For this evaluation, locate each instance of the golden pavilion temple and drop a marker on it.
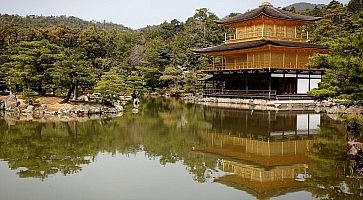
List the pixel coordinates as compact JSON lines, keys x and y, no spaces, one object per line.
{"x":265,"y":57}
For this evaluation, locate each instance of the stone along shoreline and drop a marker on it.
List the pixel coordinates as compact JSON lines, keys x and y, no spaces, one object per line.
{"x":326,"y":106}
{"x":53,"y":109}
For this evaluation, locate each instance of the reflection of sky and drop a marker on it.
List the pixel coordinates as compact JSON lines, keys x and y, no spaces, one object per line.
{"x":308,"y":122}
{"x":130,"y":177}
{"x":116,"y":177}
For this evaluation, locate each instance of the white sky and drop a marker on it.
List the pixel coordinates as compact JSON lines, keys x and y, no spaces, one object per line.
{"x":134,"y":13}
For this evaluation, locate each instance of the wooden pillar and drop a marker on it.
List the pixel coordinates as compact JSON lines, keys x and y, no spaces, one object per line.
{"x":297,"y":82}
{"x":246,"y":36}
{"x":285,"y":31}
{"x":284,"y":92}
{"x":269,"y":85}
{"x":308,"y":124}
{"x":295,"y":32}
{"x":309,"y":81}
{"x":246,"y":79}
{"x":275,"y":34}
{"x":222,"y":62}
{"x":283,"y":60}
{"x":295,"y":147}
{"x":253,"y":60}
{"x":222,"y":85}
{"x":270,"y":57}
{"x":213,"y":85}
{"x":214,"y":60}
{"x":254,"y":30}
{"x":263,"y":29}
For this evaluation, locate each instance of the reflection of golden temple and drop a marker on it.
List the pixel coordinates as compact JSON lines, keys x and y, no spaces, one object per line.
{"x":253,"y":173}
{"x":263,"y":167}
{"x":265,"y":190}
{"x":267,"y":153}
{"x":263,"y":183}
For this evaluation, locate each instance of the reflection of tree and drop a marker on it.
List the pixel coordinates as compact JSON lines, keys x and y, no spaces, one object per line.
{"x":175,"y":135}
{"x":330,"y":171}
{"x":42,"y":149}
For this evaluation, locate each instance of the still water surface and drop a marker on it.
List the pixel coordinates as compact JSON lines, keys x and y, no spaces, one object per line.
{"x":171,"y":150}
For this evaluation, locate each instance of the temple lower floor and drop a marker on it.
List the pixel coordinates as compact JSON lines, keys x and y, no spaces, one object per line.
{"x":261,"y":84}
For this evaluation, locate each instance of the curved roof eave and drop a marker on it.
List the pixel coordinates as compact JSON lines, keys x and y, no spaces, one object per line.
{"x":257,"y":16}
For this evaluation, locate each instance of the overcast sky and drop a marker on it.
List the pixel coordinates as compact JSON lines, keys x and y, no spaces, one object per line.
{"x":134,"y":13}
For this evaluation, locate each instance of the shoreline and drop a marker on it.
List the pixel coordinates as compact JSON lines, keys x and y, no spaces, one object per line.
{"x":326,"y":106}
{"x":52,"y":109}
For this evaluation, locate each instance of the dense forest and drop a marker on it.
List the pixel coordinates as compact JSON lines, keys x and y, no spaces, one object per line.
{"x":66,"y":56}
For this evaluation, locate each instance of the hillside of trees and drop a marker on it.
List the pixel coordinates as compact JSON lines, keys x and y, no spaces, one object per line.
{"x":302,"y":6}
{"x":66,"y":56}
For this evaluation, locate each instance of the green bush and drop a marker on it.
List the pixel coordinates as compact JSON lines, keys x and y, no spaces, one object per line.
{"x":321,"y":93}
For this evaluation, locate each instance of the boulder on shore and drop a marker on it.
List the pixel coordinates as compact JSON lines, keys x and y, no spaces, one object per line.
{"x":2,"y":105}
{"x":11,"y":102}
{"x":29,"y":109}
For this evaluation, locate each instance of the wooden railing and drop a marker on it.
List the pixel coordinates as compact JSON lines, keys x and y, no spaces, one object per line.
{"x":254,"y":65}
{"x":269,"y":94}
{"x":231,"y":38}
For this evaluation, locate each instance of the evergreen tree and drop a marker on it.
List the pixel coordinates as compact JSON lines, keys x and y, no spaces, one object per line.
{"x":71,"y":74}
{"x":111,"y":85}
{"x":27,"y":65}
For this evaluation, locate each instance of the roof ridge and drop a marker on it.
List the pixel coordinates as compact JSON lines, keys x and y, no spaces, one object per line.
{"x":269,"y":11}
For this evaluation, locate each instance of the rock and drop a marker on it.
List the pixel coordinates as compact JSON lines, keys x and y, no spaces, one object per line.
{"x":44,"y":107}
{"x":119,"y":108}
{"x":83,"y":98}
{"x":356,"y":110}
{"x":116,"y":103}
{"x":29,"y":109}
{"x":82,"y":110}
{"x":116,"y":109}
{"x":319,"y":110}
{"x":2,"y":105}
{"x":11,"y":102}
{"x":95,"y":110}
{"x":64,"y":110}
{"x":50,"y":113}
{"x":336,"y":109}
{"x":136,"y":103}
{"x":354,"y":148}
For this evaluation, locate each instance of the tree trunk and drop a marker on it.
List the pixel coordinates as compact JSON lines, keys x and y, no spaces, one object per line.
{"x":40,"y":89}
{"x":70,"y":91}
{"x":75,"y":91}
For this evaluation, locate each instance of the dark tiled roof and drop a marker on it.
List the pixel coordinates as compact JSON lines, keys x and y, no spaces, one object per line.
{"x":256,"y":43}
{"x":269,"y":11}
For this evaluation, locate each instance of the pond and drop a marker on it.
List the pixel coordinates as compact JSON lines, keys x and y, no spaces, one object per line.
{"x":171,"y":150}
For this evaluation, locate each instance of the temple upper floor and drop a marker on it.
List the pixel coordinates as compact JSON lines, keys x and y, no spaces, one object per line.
{"x":267,"y":22}
{"x":269,"y":30}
